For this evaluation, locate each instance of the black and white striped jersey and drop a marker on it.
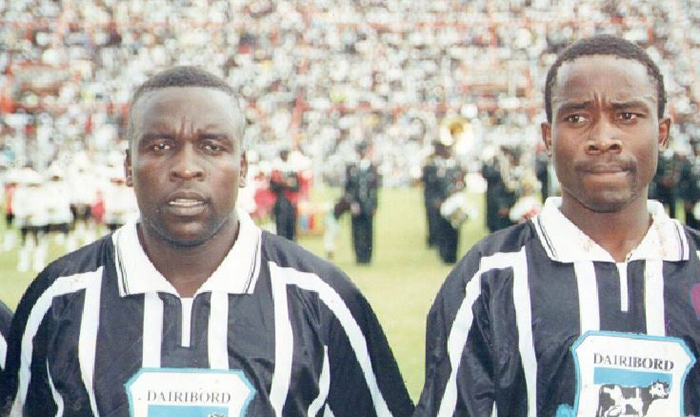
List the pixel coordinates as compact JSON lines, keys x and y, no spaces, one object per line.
{"x":275,"y":331}
{"x":5,"y":318}
{"x":538,"y":320}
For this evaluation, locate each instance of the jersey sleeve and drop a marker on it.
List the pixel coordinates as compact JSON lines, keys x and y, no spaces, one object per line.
{"x":5,"y":318}
{"x":459,"y":378}
{"x":25,"y":388}
{"x":364,"y":376}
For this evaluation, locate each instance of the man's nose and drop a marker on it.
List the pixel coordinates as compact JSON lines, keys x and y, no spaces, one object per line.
{"x":604,"y":137}
{"x":186,"y":164}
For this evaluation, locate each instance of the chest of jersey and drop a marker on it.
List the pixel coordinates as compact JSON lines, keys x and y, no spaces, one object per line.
{"x":215,"y":354}
{"x":597,"y":332}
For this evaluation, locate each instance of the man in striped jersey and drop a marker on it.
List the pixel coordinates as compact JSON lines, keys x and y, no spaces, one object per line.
{"x":193,"y":310}
{"x":591,"y":308}
{"x":5,"y":318}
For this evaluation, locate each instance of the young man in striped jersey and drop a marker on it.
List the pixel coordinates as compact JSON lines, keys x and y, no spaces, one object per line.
{"x":593,"y":307}
{"x":193,"y":310}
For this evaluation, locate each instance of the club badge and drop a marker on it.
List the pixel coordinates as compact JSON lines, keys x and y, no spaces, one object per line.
{"x":628,"y":375}
{"x":174,"y":392}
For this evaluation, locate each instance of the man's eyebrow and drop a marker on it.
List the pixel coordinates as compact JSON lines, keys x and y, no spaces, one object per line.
{"x":215,"y":136}
{"x":575,"y":105}
{"x":622,"y":105}
{"x":156,"y":135}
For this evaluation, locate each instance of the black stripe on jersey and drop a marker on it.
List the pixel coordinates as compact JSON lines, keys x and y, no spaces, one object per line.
{"x":612,"y":317}
{"x":556,"y":322}
{"x":173,"y":353}
{"x":120,"y":339}
{"x":61,"y":362}
{"x":41,"y":403}
{"x":511,"y":398}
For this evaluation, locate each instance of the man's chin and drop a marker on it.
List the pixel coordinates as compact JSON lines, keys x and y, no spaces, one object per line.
{"x":185,"y":241}
{"x":183,"y":237}
{"x":608,"y":203}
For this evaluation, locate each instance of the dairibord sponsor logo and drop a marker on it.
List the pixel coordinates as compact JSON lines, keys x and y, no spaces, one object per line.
{"x":197,"y":397}
{"x":633,"y":362}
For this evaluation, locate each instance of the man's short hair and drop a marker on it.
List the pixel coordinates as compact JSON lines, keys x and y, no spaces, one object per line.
{"x":187,"y":76}
{"x":605,"y":45}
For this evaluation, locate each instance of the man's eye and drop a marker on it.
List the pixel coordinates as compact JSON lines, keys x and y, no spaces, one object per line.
{"x":161,"y":147}
{"x":575,"y":118}
{"x":213,"y":147}
{"x":627,"y":116}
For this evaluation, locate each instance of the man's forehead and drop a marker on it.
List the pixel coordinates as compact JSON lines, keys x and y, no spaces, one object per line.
{"x":619,"y":79}
{"x":201,"y":103}
{"x":181,"y":94}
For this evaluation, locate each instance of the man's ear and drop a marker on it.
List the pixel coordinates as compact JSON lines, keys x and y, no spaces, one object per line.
{"x":128,"y":172}
{"x":243,"y":174}
{"x":547,"y":136}
{"x":664,"y":132}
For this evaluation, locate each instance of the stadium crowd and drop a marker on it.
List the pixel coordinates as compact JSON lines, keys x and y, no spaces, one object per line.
{"x":321,"y":76}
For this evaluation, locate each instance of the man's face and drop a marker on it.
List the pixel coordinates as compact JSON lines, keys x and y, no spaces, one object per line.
{"x":185,"y":164}
{"x":605,"y":132}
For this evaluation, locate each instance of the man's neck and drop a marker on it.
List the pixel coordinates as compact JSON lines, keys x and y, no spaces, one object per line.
{"x":188,"y":268}
{"x":619,"y":233}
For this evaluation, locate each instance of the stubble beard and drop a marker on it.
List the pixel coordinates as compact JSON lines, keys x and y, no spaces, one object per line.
{"x":211,"y":231}
{"x":609,"y":201}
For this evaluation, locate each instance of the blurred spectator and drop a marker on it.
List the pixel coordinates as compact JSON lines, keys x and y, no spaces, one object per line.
{"x":449,"y":199}
{"x":285,"y":184}
{"x":59,"y":215}
{"x":362,"y":183}
{"x":30,"y":208}
{"x":119,"y":201}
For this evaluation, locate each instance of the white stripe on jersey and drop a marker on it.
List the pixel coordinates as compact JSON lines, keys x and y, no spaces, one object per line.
{"x":186,"y":326}
{"x":328,"y":295}
{"x":56,"y":396}
{"x":284,"y":342}
{"x":462,"y":324}
{"x":324,"y":385}
{"x":63,"y":285}
{"x":218,"y":331}
{"x":87,"y":341}
{"x":3,"y":351}
{"x":523,"y":316}
{"x":685,"y":246}
{"x":152,"y":330}
{"x":654,"y":298}
{"x":624,"y":286}
{"x":588,"y":306}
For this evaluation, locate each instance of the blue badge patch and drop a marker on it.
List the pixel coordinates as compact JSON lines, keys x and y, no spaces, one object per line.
{"x":184,"y":392}
{"x":621,"y":374}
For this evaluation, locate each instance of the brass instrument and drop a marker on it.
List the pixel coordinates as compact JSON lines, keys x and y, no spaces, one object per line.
{"x":454,"y":129}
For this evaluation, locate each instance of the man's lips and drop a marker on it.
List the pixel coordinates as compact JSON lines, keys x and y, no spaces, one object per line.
{"x":186,"y":203}
{"x":602,"y":168}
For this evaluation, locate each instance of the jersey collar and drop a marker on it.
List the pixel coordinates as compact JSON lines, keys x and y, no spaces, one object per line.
{"x":565,"y":242}
{"x":237,"y":273}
